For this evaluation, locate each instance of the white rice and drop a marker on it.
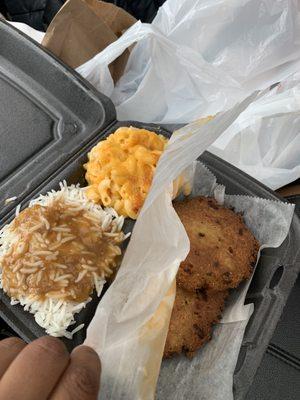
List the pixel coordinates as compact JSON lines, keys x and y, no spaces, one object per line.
{"x":10,"y":199}
{"x":54,"y":314}
{"x":18,"y":209}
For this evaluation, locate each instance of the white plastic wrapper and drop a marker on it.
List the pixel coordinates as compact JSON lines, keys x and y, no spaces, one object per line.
{"x":200,"y":57}
{"x":265,"y":140}
{"x":38,"y":36}
{"x":131,"y":322}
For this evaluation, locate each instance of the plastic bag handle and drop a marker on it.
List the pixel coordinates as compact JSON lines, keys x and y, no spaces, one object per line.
{"x":134,"y":34}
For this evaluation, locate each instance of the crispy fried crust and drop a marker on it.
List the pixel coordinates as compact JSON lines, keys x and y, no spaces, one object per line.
{"x":192,"y":318}
{"x":223,"y":250}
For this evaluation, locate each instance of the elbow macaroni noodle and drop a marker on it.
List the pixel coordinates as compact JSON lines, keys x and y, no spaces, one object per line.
{"x":120,"y":169}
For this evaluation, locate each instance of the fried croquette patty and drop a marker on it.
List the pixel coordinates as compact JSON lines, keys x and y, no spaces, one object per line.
{"x":223,"y":250}
{"x":191,"y":322}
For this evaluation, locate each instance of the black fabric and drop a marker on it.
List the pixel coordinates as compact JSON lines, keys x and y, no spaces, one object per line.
{"x":52,"y":8}
{"x":36,"y":13}
{"x":28,"y":11}
{"x":39,"y":13}
{"x":3,"y":10}
{"x":16,"y":7}
{"x":145,"y":10}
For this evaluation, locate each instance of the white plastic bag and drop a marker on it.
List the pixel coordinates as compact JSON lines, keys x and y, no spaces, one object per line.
{"x":31,"y":32}
{"x":265,"y":140}
{"x":200,"y":57}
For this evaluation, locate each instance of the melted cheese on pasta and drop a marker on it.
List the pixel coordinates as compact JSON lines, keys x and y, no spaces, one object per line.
{"x":120,"y":169}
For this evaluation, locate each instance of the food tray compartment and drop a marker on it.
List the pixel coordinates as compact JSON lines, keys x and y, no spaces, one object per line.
{"x":273,"y":280}
{"x":267,"y":293}
{"x":22,"y":322}
{"x":47,"y":113}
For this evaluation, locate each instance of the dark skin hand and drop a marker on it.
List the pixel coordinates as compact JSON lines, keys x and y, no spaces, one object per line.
{"x":44,"y":370}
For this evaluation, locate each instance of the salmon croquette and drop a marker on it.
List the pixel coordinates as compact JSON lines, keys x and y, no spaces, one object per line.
{"x":192,"y":319}
{"x":222,"y":254}
{"x":223,"y":250}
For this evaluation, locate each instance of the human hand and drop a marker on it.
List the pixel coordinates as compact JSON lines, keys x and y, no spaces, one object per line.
{"x":44,"y":370}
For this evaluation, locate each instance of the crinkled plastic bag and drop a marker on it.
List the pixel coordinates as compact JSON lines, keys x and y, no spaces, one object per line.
{"x":131,"y":321}
{"x":200,"y":57}
{"x":265,"y":140}
{"x":38,"y":36}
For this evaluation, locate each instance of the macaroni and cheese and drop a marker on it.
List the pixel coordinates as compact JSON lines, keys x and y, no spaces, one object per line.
{"x":120,"y":169}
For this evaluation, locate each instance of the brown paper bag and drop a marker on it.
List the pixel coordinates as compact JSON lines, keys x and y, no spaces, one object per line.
{"x":289,"y":190}
{"x":83,"y":28}
{"x":116,"y":18}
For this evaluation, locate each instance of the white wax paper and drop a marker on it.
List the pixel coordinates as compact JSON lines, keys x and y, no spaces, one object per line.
{"x":131,"y":322}
{"x":209,"y":376}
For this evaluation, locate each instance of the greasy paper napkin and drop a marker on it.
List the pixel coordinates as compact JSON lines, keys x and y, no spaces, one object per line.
{"x":131,"y":321}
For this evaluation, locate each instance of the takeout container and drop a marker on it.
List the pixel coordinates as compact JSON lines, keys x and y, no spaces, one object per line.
{"x":70,"y":117}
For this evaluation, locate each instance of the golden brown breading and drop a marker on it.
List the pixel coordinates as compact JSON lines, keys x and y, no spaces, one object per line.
{"x":191,"y":322}
{"x":223,"y":250}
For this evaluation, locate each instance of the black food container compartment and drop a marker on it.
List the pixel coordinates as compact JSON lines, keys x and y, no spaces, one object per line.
{"x":52,"y":118}
{"x":47,"y":113}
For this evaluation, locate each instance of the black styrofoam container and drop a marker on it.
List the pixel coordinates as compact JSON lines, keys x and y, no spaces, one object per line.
{"x":47,"y":112}
{"x":277,"y":268}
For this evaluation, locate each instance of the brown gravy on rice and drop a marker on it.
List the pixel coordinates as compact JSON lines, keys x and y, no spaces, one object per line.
{"x":59,"y":252}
